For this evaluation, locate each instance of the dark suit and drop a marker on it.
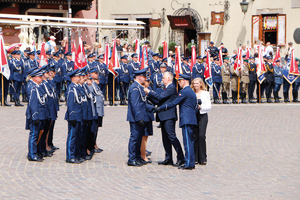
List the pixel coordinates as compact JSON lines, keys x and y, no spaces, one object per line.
{"x":168,"y":119}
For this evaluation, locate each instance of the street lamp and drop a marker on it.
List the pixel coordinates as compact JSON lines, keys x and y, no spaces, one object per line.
{"x":244,"y":6}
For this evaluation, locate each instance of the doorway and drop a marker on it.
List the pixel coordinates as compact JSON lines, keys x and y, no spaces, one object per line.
{"x":189,"y":35}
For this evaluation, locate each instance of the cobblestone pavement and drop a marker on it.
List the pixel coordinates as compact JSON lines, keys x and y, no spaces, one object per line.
{"x":253,"y":153}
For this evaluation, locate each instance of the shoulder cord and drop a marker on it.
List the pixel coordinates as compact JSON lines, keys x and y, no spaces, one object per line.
{"x":199,"y":72}
{"x":89,"y":95}
{"x":47,"y":91}
{"x":217,"y":71}
{"x":76,"y":96}
{"x":134,"y":67}
{"x":123,"y":69}
{"x":143,"y":98}
{"x":41,"y":99}
{"x":96,"y":90}
{"x":279,"y":73}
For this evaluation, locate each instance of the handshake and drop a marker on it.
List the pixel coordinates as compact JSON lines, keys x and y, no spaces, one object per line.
{"x":156,"y":110}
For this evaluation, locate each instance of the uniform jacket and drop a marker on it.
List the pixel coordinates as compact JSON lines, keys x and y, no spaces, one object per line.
{"x":270,"y":71}
{"x":134,"y":67}
{"x":124,"y":73}
{"x":186,"y":69}
{"x":17,"y":69}
{"x":99,"y":98}
{"x":252,"y":72}
{"x":74,"y":104}
{"x":245,"y":73}
{"x":68,"y":66}
{"x":225,"y":73}
{"x":103,"y":73}
{"x":158,"y":85}
{"x":36,"y":104}
{"x":198,"y":71}
{"x":216,"y":73}
{"x":154,"y":68}
{"x":278,"y":73}
{"x":58,"y":71}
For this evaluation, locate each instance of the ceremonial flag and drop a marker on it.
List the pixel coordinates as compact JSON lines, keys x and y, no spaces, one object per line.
{"x":178,"y":69}
{"x":34,"y":49}
{"x":144,"y":63}
{"x":77,"y":63}
{"x":138,"y":49}
{"x":277,"y":56}
{"x":260,"y":68}
{"x":106,"y":54}
{"x":248,"y":52}
{"x":193,"y":57}
{"x":239,"y":61}
{"x":220,"y":55}
{"x":4,"y":68}
{"x":73,"y":50}
{"x":207,"y":71}
{"x":114,"y":61}
{"x":82,"y":57}
{"x":290,"y":70}
{"x":165,"y":49}
{"x":293,"y":67}
{"x":43,"y":60}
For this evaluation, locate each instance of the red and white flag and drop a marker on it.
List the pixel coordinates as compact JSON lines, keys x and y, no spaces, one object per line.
{"x":277,"y":56}
{"x":220,"y":55}
{"x":82,"y":54}
{"x":138,"y":49}
{"x":293,"y":67}
{"x":239,"y":61}
{"x":43,"y":60}
{"x":114,"y":61}
{"x":144,"y":57}
{"x":178,"y":69}
{"x":207,"y":71}
{"x":4,"y":68}
{"x":73,"y":50}
{"x":165,"y":49}
{"x":193,"y":57}
{"x":260,"y":67}
{"x":248,"y":52}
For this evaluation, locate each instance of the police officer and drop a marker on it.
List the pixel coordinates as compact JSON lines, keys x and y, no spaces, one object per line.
{"x":158,"y":85}
{"x":35,"y":115}
{"x":244,"y":80}
{"x":125,"y":71}
{"x":234,"y":82}
{"x":103,"y":73}
{"x":269,"y":79}
{"x":225,"y":80}
{"x":73,"y":116}
{"x":213,"y":51}
{"x":187,"y":101}
{"x":137,"y":117}
{"x":25,"y":59}
{"x":186,"y":67}
{"x":135,"y":66}
{"x":68,"y":67}
{"x":17,"y":67}
{"x":278,"y":73}
{"x":252,"y":78}
{"x":217,"y":79}
{"x":198,"y":69}
{"x":91,"y":63}
{"x":58,"y":78}
{"x":154,"y":65}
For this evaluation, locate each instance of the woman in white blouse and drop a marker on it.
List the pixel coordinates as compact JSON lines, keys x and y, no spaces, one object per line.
{"x":204,"y":104}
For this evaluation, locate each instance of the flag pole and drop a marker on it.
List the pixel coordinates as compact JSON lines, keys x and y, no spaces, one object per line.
{"x":113,"y":90}
{"x":238,"y":92}
{"x":106,"y":91}
{"x":259,"y":93}
{"x":2,"y":91}
{"x":290,"y":93}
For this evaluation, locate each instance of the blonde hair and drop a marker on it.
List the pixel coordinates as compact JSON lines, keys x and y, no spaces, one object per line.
{"x":202,"y":85}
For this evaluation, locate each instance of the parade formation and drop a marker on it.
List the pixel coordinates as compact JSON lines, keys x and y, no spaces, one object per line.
{"x":148,"y":83}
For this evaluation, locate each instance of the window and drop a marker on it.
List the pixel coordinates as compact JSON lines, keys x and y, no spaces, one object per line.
{"x":121,"y":33}
{"x":145,"y":33}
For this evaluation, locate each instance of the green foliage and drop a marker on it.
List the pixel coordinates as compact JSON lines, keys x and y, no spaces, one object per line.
{"x":189,"y":47}
{"x":172,"y":46}
{"x":160,"y":49}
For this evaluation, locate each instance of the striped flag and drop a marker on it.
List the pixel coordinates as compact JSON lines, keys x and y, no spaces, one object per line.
{"x":107,"y":54}
{"x":114,"y":61}
{"x":178,"y":69}
{"x":193,"y":57}
{"x":144,"y":63}
{"x":220,"y":55}
{"x":3,"y":60}
{"x":239,"y":61}
{"x":207,"y":71}
{"x":73,"y":50}
{"x":248,"y":52}
{"x":293,"y":67}
{"x":43,"y":60}
{"x":138,"y":49}
{"x":260,"y":68}
{"x":165,"y":49}
{"x":277,"y":56}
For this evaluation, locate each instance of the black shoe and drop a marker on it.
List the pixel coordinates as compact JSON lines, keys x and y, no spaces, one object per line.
{"x":89,"y":157}
{"x":148,"y":153}
{"x":186,"y":167}
{"x":143,"y":162}
{"x":98,"y":150}
{"x":166,"y":162}
{"x":36,"y":159}
{"x":202,"y":163}
{"x":6,"y":104}
{"x":74,"y":161}
{"x":178,"y":163}
{"x":149,"y":161}
{"x":54,"y":148}
{"x":159,"y":126}
{"x":134,"y":163}
{"x":19,"y":103}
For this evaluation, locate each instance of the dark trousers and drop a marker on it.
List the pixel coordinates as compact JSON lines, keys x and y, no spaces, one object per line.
{"x":90,"y":137}
{"x":251,"y":89}
{"x":169,"y":138}
{"x":17,"y":89}
{"x":286,"y":86}
{"x":110,"y":85}
{"x":123,"y":90}
{"x":24,"y":86}
{"x":262,"y":88}
{"x":58,"y":89}
{"x":295,"y":86}
{"x":5,"y":85}
{"x":81,"y":140}
{"x":200,"y":138}
{"x":216,"y":89}
{"x":73,"y":132}
{"x":269,"y":88}
{"x":188,"y":142}
{"x":33,"y":138}
{"x":277,"y":87}
{"x":42,"y":142}
{"x":50,"y":136}
{"x":135,"y":140}
{"x":103,"y":89}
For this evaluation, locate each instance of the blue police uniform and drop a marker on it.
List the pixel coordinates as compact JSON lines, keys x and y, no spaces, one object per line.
{"x":137,"y":117}
{"x":135,"y":66}
{"x":186,"y":69}
{"x":154,"y":68}
{"x":158,"y":85}
{"x":187,"y":101}
{"x":58,"y":78}
{"x":17,"y":67}
{"x":198,"y":71}
{"x":295,"y":89}
{"x":269,"y":81}
{"x":124,"y":74}
{"x":278,"y":73}
{"x":103,"y":76}
{"x":67,"y":67}
{"x":217,"y":79}
{"x":74,"y":118}
{"x":168,"y":119}
{"x":253,"y":81}
{"x":24,"y":84}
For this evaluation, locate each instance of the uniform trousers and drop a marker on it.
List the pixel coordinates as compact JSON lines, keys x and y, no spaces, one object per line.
{"x":58,"y":89}
{"x":134,"y":146}
{"x":90,"y":137}
{"x":42,"y":143}
{"x":103,"y":89}
{"x":295,"y":86}
{"x":200,"y":138}
{"x":169,"y":139}
{"x":244,"y":88}
{"x":110,"y":86}
{"x":269,"y":88}
{"x":188,"y":142}
{"x":80,"y":151}
{"x":50,"y":136}
{"x":33,"y":138}
{"x":277,"y":87}
{"x":216,"y":89}
{"x":226,"y":87}
{"x":24,"y":86}
{"x":123,"y":90}
{"x":73,"y":132}
{"x":17,"y":89}
{"x":251,"y":89}
{"x":286,"y":86}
